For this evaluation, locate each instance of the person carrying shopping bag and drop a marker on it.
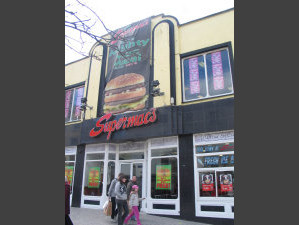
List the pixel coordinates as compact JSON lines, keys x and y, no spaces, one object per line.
{"x":112,"y":195}
{"x":134,"y":203}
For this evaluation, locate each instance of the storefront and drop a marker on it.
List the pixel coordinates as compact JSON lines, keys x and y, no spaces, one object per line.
{"x":164,"y":114}
{"x":214,"y":174}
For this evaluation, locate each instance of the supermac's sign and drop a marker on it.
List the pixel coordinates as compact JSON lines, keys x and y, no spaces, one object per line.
{"x":106,"y":126}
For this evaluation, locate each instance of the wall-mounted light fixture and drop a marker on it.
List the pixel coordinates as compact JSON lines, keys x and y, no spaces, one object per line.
{"x":84,"y":105}
{"x":156,"y":91}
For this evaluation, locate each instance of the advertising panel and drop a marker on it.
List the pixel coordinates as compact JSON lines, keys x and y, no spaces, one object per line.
{"x":128,"y":69}
{"x":94,"y":177}
{"x":226,"y":183}
{"x":163,"y":177}
{"x":69,"y":170}
{"x":207,"y":182}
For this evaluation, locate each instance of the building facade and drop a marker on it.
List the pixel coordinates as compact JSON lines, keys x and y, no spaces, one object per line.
{"x":176,"y":133}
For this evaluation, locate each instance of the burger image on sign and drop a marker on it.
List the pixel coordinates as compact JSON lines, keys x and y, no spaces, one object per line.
{"x":125,"y":93}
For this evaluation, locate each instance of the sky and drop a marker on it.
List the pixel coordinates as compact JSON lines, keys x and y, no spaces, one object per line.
{"x":119,"y":13}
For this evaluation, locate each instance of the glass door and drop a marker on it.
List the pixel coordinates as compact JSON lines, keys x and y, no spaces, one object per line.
{"x":131,"y":169}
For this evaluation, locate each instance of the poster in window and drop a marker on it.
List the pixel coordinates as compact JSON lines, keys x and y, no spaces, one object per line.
{"x":128,"y":69}
{"x":218,"y":78}
{"x":69,"y":170}
{"x":94,"y":177}
{"x":67,"y":103}
{"x":226,"y":183}
{"x":163,"y":177}
{"x":79,"y":95}
{"x":194,"y":76}
{"x":207,"y":182}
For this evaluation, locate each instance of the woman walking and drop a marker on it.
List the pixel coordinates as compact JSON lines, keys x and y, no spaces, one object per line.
{"x":121,"y":199}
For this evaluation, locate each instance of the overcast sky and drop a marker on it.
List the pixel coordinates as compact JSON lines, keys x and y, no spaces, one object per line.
{"x":118,"y":13}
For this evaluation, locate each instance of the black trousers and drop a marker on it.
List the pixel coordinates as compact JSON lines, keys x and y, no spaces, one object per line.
{"x":114,"y":211}
{"x":68,"y":220}
{"x":123,"y":210}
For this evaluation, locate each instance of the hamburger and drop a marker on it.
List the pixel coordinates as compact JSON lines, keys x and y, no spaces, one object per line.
{"x":125,"y":93}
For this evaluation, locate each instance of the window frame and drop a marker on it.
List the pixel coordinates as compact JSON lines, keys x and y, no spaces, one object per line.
{"x":204,"y":52}
{"x":213,"y":169}
{"x":73,"y":88}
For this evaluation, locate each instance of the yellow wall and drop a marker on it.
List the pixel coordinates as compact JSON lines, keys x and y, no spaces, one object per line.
{"x":76,"y":72}
{"x":204,"y":33}
{"x":94,"y":84}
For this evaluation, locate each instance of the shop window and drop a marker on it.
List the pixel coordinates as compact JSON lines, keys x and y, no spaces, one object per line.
{"x":215,"y":168}
{"x":134,"y":155}
{"x":93,"y":179}
{"x":164,"y":178}
{"x":95,"y":156}
{"x":69,"y":168}
{"x":111,"y":156}
{"x":207,"y":75}
{"x":164,"y":152}
{"x":73,"y":103}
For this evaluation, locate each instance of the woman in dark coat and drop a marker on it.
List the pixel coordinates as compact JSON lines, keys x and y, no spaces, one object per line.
{"x":68,"y":220}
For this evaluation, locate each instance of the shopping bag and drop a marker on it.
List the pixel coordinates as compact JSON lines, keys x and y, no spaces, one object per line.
{"x":108,"y":208}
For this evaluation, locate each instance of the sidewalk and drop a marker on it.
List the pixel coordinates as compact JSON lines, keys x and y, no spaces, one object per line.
{"x":82,"y":216}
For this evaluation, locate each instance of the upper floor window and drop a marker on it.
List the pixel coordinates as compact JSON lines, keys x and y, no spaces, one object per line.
{"x":207,"y":75}
{"x":72,"y":103}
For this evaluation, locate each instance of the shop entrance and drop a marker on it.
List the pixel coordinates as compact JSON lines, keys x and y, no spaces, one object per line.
{"x":130,"y":169}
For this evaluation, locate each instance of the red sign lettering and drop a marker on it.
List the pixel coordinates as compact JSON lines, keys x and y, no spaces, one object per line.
{"x":122,"y":123}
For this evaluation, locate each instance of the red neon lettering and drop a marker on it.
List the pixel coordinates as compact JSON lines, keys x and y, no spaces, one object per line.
{"x":131,"y":121}
{"x":119,"y":123}
{"x":94,"y":133}
{"x":140,"y":120}
{"x":111,"y":128}
{"x":145,"y":118}
{"x":154,"y":117}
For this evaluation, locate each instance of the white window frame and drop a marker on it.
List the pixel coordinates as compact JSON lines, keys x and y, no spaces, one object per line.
{"x":226,"y":202}
{"x":72,"y":103}
{"x":94,"y":149}
{"x":144,"y":171}
{"x":206,"y":75}
{"x":71,"y":151}
{"x":150,"y":200}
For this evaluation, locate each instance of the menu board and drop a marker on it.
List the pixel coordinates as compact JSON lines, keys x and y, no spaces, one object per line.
{"x":207,"y":182}
{"x":163,"y":177}
{"x":94,"y":177}
{"x":69,"y":170}
{"x":226,"y":183}
{"x":218,"y":78}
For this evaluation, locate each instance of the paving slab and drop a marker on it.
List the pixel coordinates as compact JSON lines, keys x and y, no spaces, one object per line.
{"x":83,"y":216}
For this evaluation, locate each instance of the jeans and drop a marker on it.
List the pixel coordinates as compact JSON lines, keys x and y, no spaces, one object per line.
{"x":122,"y":206}
{"x":114,"y":211}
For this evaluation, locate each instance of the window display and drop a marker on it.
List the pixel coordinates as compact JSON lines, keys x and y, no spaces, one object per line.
{"x":207,"y":75}
{"x":164,"y":178}
{"x":72,"y":103}
{"x":93,"y":182}
{"x":218,"y":180}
